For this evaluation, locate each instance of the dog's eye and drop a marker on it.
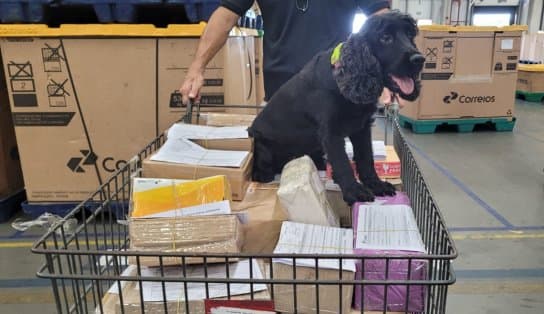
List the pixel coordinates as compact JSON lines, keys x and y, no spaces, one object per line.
{"x":386,"y":39}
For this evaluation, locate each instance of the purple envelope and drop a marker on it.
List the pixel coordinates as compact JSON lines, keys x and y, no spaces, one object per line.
{"x":375,"y":269}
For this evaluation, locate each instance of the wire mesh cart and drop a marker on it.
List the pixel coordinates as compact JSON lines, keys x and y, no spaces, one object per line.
{"x":87,"y":261}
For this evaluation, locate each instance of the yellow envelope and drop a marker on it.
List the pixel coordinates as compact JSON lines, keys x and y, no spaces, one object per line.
{"x":152,"y":196}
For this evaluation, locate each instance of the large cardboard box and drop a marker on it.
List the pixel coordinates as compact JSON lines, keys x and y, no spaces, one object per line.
{"x":86,"y":99}
{"x":531,"y":78}
{"x":11,"y":178}
{"x":468,"y":72}
{"x":238,"y":177}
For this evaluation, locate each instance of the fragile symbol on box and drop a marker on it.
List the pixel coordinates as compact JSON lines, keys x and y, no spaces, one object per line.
{"x":447,"y":63}
{"x":51,"y":59}
{"x":57,"y":94}
{"x":448,"y":46}
{"x":431,"y":54}
{"x":22,"y":84}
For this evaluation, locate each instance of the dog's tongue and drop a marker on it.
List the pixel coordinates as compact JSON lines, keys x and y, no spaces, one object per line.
{"x":405,"y":84}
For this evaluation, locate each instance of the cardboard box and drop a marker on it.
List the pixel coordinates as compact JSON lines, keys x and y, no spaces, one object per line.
{"x":389,"y":168}
{"x":237,"y":144}
{"x":132,"y":303}
{"x":531,"y":78}
{"x":297,"y":238}
{"x":190,"y":234}
{"x":329,"y":300}
{"x":11,"y":178}
{"x":238,"y":177}
{"x":468,"y":72}
{"x":86,"y":104}
{"x":264,"y":218}
{"x":228,"y":119}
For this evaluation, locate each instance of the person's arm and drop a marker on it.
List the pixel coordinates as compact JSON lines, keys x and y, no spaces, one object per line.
{"x":213,"y":38}
{"x":370,"y":7}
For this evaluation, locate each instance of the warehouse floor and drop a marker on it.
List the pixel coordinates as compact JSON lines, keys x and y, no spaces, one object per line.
{"x":489,"y":186}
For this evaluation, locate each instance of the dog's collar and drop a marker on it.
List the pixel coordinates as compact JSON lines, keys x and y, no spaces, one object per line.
{"x":335,"y":56}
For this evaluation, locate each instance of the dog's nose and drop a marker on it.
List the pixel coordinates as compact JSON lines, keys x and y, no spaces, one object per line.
{"x":417,"y":59}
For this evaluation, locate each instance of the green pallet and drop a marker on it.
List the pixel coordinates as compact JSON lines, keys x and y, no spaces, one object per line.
{"x":532,"y":97}
{"x":463,"y":125}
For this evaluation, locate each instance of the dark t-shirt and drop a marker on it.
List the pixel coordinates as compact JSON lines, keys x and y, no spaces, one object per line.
{"x":292,"y":37}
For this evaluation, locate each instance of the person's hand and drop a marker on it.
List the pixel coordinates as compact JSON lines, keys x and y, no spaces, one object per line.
{"x":190,"y":89}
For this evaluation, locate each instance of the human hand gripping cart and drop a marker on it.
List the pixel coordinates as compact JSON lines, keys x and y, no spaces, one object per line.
{"x":88,"y":263}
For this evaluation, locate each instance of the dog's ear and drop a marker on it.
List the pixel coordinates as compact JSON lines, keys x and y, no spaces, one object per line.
{"x":359,"y":74}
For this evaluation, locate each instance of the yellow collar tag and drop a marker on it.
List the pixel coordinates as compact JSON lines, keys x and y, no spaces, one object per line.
{"x":335,"y":56}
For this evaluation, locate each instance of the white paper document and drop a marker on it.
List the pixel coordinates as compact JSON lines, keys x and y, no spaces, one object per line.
{"x":129,"y":271}
{"x":387,"y":227}
{"x":215,"y":208}
{"x":232,"y":310}
{"x":152,"y":291}
{"x":298,"y":238}
{"x":183,"y":151}
{"x":378,"y":149}
{"x":204,"y":132}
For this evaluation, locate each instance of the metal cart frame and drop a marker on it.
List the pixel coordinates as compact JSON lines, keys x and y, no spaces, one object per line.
{"x":84,"y":262}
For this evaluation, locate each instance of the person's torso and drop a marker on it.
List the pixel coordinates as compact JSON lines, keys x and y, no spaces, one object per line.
{"x":296,"y":30}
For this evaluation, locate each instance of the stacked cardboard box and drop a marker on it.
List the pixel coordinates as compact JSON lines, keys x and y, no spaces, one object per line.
{"x":531,"y":78}
{"x":469,"y":71}
{"x":86,"y":99}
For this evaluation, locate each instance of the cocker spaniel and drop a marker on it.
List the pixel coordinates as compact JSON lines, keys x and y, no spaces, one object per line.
{"x":333,"y":97}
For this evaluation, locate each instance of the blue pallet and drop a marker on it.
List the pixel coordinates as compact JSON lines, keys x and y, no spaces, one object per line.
{"x":197,"y":10}
{"x":62,"y":209}
{"x":108,"y":11}
{"x":23,"y":11}
{"x":11,"y":204}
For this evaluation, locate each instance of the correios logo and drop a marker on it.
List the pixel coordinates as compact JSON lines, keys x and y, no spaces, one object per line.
{"x":453,"y":96}
{"x":76,"y":163}
{"x":464,"y":99}
{"x":109,"y":164}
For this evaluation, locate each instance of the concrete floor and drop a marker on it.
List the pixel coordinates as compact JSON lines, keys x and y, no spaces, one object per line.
{"x":489,"y":186}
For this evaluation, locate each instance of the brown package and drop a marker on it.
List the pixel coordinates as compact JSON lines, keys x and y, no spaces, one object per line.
{"x":86,"y":102}
{"x":228,"y":119}
{"x":239,"y":144}
{"x":238,"y":177}
{"x":265,"y":216}
{"x":531,"y":81}
{"x":196,"y":234}
{"x":131,"y":302}
{"x":329,"y":295}
{"x":468,"y":72}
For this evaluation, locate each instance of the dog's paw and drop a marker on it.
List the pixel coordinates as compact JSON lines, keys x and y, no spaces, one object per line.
{"x":380,"y":188}
{"x":357,"y":193}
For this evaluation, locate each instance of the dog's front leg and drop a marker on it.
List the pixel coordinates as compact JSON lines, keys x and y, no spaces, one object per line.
{"x":352,"y":191}
{"x":364,"y":160}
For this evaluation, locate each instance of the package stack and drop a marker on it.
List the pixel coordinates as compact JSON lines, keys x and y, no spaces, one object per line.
{"x":294,"y":217}
{"x":198,"y":151}
{"x":388,"y":227}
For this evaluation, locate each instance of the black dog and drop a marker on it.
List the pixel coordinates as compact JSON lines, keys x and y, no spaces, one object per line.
{"x":327,"y":101}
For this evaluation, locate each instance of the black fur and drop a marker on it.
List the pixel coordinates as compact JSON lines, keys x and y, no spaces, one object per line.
{"x":313,"y":112}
